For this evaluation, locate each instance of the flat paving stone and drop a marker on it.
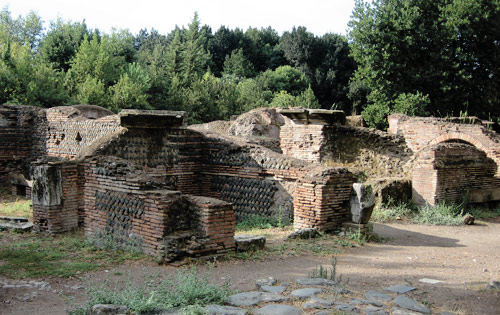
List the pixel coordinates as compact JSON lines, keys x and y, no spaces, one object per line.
{"x":366,"y":302}
{"x":245,"y":299}
{"x":409,"y":304}
{"x":315,"y":281}
{"x":215,"y":309}
{"x":317,"y":303}
{"x":377,"y":296}
{"x":278,"y":309}
{"x":333,"y":285}
{"x":400,"y":289}
{"x":344,"y":307}
{"x":269,"y":281}
{"x":402,"y":311}
{"x":273,"y":297}
{"x":305,"y":293}
{"x":273,"y":288}
{"x":430,"y":281}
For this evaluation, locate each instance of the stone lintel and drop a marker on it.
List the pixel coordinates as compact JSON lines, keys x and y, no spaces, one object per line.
{"x":304,"y":116}
{"x":134,"y":118}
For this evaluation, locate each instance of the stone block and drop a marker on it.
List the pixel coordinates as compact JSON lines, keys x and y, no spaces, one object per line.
{"x":133,"y":118}
{"x":246,"y":243}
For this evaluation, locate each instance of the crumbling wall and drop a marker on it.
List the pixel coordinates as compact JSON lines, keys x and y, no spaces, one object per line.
{"x":22,"y":138}
{"x":422,"y":132}
{"x":255,"y":179}
{"x":121,"y":203}
{"x":375,"y":153}
{"x":453,"y":172}
{"x":69,"y":131}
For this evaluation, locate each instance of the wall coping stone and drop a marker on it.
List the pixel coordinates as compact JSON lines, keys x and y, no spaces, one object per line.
{"x":134,"y":118}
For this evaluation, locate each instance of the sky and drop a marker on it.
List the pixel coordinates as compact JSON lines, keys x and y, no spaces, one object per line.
{"x":318,"y":16}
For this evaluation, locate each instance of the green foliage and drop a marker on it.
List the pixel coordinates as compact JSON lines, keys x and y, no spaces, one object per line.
{"x":92,"y":91}
{"x":392,"y":212}
{"x":307,"y":99}
{"x":238,"y":65}
{"x":61,"y":42}
{"x":375,"y":115}
{"x":194,"y":54}
{"x":188,"y":290}
{"x":411,"y":104}
{"x":25,"y":30}
{"x":283,"y":99}
{"x":130,"y":90}
{"x":440,"y":214}
{"x":34,"y":256}
{"x":284,"y":78}
{"x":259,"y":222}
{"x":442,"y":49}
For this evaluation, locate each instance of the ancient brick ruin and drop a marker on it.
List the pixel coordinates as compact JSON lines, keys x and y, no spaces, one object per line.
{"x":147,"y":180}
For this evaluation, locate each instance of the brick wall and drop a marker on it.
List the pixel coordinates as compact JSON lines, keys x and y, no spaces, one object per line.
{"x":376,"y":153}
{"x":162,"y":223}
{"x":68,"y":132}
{"x":21,"y":131}
{"x":420,"y":132}
{"x":447,"y":172}
{"x":322,"y":199}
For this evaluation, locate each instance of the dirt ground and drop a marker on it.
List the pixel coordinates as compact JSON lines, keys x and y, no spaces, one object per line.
{"x":464,"y":258}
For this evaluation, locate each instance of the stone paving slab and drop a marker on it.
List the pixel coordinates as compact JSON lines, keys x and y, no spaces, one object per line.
{"x":400,"y":289}
{"x":278,"y":309}
{"x":409,"y":304}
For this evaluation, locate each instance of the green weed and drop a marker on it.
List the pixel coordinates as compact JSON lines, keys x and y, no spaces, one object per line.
{"x":259,"y":222}
{"x":440,"y":214}
{"x":391,"y":212}
{"x":32,"y":256}
{"x":188,"y":290}
{"x":17,"y":208}
{"x":358,"y":237}
{"x":329,"y":273}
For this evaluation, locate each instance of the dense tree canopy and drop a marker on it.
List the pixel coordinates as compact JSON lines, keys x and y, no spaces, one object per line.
{"x":443,"y":53}
{"x":419,"y":57}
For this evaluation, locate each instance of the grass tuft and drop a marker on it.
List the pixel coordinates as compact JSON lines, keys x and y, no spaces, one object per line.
{"x":34,"y":256}
{"x":254,"y":221}
{"x":188,"y":290}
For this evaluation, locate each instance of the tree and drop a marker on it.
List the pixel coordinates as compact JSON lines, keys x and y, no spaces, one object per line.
{"x":22,"y":30}
{"x":238,"y":65}
{"x":95,"y":58}
{"x":284,"y":78}
{"x":131,"y":89}
{"x":446,"y":49}
{"x":194,"y":54}
{"x":25,"y":78}
{"x":222,"y":44}
{"x":60,"y":44}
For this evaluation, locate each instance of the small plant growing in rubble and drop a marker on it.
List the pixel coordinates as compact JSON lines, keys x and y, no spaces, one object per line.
{"x":329,"y":273}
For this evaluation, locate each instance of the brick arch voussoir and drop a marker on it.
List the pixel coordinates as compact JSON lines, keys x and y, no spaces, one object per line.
{"x":459,"y":136}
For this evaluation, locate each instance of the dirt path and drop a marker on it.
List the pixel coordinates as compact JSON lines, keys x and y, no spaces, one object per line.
{"x":464,"y":258}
